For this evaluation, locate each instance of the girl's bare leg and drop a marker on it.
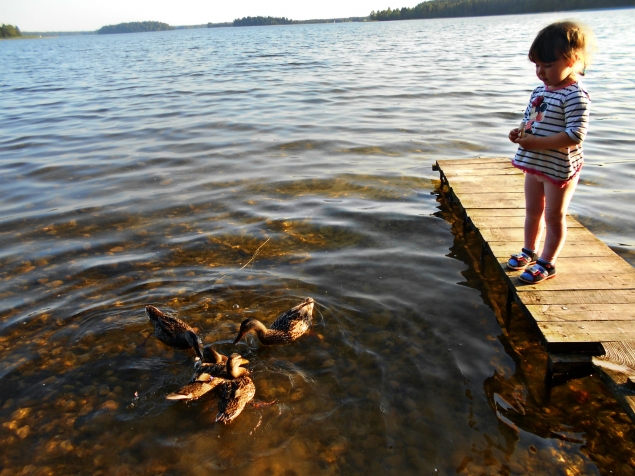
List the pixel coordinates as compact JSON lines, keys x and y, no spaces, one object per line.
{"x":556,"y":204}
{"x":534,"y":210}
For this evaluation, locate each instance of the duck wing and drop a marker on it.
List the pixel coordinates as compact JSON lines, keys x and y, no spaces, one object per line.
{"x":234,"y":395}
{"x":196,"y":389}
{"x":297,"y":320}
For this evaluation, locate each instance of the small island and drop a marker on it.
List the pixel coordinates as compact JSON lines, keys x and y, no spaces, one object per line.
{"x":9,"y":31}
{"x":134,"y":27}
{"x":261,"y":21}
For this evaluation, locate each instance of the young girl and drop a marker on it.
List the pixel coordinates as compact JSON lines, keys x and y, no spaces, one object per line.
{"x":550,"y":144}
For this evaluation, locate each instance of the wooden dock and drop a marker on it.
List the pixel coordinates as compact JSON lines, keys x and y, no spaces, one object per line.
{"x":588,"y":309}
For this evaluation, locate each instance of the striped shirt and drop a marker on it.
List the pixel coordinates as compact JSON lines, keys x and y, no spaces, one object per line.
{"x":548,"y":113}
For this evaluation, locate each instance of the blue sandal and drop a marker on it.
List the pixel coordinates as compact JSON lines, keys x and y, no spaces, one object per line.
{"x":538,"y":273}
{"x":521,"y":260}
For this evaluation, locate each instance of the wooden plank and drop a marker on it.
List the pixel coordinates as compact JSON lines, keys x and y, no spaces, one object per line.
{"x":587,"y":331}
{"x":464,"y":164}
{"x":622,"y":353}
{"x":571,"y":297}
{"x":496,"y":166}
{"x":582,"y":312}
{"x":475,"y":160}
{"x":474,"y":188}
{"x":508,"y":181}
{"x":458,"y":172}
{"x":570,"y":363}
{"x":512,"y":234}
{"x":512,"y":222}
{"x":479,"y":200}
{"x":570,"y":249}
{"x":467,"y":183}
{"x":495,"y":212}
{"x":478,"y":197}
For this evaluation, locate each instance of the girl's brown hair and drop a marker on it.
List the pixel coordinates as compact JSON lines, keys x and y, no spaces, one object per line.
{"x":564,"y":39}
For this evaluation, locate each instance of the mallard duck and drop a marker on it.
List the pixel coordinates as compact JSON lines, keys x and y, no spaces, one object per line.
{"x":209,"y":376}
{"x":287,"y":328}
{"x":173,"y":331}
{"x":234,"y":394}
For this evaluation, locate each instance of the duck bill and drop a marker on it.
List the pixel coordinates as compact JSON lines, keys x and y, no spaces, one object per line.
{"x":240,"y":336}
{"x":244,"y":361}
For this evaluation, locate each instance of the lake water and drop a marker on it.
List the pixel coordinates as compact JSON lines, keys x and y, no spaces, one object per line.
{"x":149,"y":169}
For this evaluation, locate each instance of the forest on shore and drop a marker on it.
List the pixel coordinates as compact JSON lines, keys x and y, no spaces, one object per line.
{"x":263,"y":21}
{"x":475,"y":8}
{"x":134,"y":27}
{"x":9,"y":31}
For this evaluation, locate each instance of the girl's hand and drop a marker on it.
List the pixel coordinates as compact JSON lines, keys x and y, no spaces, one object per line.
{"x":529,"y":142}
{"x":514,"y":134}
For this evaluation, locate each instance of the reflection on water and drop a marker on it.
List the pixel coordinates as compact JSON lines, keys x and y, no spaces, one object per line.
{"x":150,"y":169}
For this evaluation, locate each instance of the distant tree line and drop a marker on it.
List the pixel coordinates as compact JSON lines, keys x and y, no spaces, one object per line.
{"x":9,"y":31}
{"x":475,"y":8}
{"x":134,"y":27}
{"x":260,"y":21}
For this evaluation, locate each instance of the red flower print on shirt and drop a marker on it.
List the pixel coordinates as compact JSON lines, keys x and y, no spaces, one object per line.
{"x":538,"y":101}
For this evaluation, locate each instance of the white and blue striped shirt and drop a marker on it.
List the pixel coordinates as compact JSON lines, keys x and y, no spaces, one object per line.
{"x":567,"y":110}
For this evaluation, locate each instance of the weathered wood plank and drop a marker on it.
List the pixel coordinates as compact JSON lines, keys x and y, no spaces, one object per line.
{"x":495,"y":212}
{"x":474,"y":188}
{"x":505,"y":200}
{"x":582,"y":312}
{"x":571,"y":297}
{"x":512,"y":222}
{"x":482,"y":184}
{"x":588,"y":331}
{"x":571,"y":249}
{"x":449,"y":163}
{"x":622,"y":353}
{"x":493,"y":180}
{"x":489,"y":171}
{"x":462,"y":168}
{"x":512,"y":234}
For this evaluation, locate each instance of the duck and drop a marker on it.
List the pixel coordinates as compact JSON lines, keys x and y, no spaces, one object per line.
{"x":287,"y":328}
{"x":173,"y":331}
{"x":235,"y":393}
{"x":209,"y":376}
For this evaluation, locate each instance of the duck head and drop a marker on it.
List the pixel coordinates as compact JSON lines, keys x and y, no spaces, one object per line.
{"x":195,"y":342}
{"x":153,"y":313}
{"x":246,"y":326}
{"x":234,"y":364}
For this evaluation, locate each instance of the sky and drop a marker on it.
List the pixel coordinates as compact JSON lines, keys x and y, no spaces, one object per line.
{"x":87,"y":15}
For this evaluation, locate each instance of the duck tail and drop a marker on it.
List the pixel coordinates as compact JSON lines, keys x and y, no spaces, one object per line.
{"x":224,"y":418}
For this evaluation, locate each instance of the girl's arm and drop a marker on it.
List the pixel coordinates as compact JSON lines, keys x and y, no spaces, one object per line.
{"x":561,"y":140}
